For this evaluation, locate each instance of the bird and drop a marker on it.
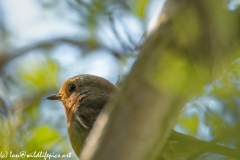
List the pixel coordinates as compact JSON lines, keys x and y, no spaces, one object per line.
{"x":84,"y":96}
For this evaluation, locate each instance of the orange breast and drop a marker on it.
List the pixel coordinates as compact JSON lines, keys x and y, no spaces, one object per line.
{"x":77,"y":134}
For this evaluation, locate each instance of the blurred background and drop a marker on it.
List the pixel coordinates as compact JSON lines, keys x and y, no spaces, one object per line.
{"x":45,"y":42}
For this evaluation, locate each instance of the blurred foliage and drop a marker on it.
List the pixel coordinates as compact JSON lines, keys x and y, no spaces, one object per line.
{"x":218,"y":111}
{"x":191,"y":123}
{"x":36,"y":76}
{"x":17,"y":135}
{"x":27,"y":76}
{"x":31,"y":69}
{"x":201,"y":44}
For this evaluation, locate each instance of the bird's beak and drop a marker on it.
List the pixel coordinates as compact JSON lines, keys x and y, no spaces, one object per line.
{"x":55,"y":97}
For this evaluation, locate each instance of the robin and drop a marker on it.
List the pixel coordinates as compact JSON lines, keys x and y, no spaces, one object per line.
{"x":83,"y":98}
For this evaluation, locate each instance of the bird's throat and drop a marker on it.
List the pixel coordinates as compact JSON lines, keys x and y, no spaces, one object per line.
{"x":77,"y":133}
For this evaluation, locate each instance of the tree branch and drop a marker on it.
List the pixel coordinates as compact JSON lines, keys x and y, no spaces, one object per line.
{"x":174,"y":64}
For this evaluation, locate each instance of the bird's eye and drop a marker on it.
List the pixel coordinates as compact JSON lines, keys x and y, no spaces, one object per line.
{"x":71,"y":87}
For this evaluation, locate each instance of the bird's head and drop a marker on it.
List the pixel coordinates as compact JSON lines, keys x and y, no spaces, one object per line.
{"x":83,"y":93}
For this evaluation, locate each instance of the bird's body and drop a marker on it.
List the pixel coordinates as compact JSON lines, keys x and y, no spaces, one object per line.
{"x":84,"y":96}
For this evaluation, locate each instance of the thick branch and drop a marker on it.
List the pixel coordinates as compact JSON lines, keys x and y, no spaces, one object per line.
{"x":176,"y":61}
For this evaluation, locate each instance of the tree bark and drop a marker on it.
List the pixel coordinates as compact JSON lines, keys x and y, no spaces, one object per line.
{"x":185,"y":52}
